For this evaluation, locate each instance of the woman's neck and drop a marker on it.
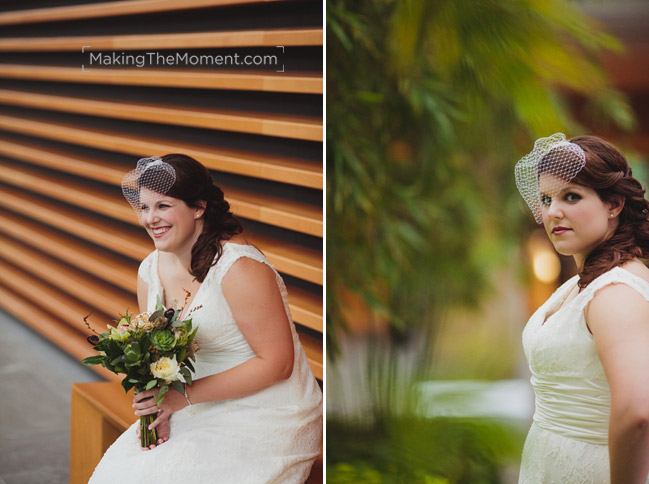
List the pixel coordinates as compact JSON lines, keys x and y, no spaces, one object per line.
{"x":181,"y":258}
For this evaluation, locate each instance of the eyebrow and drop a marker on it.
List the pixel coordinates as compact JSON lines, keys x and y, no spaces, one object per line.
{"x":157,"y":202}
{"x":571,"y":187}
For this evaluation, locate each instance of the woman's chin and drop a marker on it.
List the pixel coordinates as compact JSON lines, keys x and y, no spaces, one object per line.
{"x":161,"y":245}
{"x":563,"y":250}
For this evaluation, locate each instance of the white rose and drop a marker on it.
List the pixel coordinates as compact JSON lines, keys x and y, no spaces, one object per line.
{"x":166,"y":369}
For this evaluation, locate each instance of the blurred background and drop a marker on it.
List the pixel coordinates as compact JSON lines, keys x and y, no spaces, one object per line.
{"x":434,"y":262}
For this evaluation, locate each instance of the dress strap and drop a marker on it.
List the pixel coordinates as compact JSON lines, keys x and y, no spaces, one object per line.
{"x":233,"y":252}
{"x":147,"y":268}
{"x":617,"y":275}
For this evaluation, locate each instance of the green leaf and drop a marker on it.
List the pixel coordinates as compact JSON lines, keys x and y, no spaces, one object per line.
{"x":127,"y":384}
{"x":182,"y":354}
{"x":93,"y":360}
{"x":188,"y":379}
{"x":158,"y":304}
{"x":161,"y":394}
{"x":178,"y":386}
{"x":151,"y":384}
{"x":156,"y":314}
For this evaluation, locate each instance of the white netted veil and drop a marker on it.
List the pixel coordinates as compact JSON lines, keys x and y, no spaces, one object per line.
{"x":152,"y":174}
{"x":554,"y":156}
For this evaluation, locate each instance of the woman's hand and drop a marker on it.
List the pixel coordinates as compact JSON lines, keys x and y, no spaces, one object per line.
{"x":163,"y":434}
{"x":145,"y":404}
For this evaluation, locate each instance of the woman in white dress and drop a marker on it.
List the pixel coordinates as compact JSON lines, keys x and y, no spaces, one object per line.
{"x":253,"y":412}
{"x":588,"y":345}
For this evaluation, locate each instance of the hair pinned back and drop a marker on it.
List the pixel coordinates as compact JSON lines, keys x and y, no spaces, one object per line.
{"x":609,"y":174}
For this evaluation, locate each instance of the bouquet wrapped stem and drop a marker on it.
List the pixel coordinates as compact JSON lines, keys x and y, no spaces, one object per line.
{"x":148,"y":436}
{"x":151,"y":350}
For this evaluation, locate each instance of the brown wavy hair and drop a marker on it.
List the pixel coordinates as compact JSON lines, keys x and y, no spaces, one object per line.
{"x":194,"y":184}
{"x":609,"y":174}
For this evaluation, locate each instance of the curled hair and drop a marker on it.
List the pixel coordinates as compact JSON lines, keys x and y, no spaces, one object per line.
{"x":194,"y":184}
{"x":608,"y":173}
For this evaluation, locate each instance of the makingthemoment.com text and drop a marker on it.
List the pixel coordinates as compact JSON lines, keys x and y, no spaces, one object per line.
{"x":179,"y":59}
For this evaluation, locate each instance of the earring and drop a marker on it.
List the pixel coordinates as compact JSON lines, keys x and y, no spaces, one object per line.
{"x":612,"y":215}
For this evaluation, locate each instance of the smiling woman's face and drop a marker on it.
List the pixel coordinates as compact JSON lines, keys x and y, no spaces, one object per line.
{"x":574,"y":217}
{"x":171,"y":224}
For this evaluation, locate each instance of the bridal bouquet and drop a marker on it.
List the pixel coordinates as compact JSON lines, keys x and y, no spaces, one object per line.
{"x":150,"y":349}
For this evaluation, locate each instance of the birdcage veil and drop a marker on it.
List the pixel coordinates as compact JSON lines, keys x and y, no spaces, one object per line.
{"x":553,"y":156}
{"x":152,"y":174}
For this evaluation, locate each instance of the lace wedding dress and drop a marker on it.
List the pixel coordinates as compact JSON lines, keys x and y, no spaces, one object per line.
{"x":272,"y":436}
{"x":567,"y":443}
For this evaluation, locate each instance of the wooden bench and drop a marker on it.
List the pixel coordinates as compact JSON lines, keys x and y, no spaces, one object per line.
{"x":100,"y":412}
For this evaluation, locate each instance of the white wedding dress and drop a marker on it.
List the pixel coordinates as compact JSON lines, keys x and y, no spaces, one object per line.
{"x":567,"y":443}
{"x":272,"y":436}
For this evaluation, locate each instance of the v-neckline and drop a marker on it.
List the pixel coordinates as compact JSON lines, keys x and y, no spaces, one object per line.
{"x":562,"y":304}
{"x":163,"y":297}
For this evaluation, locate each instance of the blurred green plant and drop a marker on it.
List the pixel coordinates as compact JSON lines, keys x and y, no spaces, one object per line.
{"x":408,"y":450}
{"x":429,"y":105}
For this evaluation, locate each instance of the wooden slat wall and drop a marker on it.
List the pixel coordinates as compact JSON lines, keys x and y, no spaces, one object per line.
{"x":69,"y":242}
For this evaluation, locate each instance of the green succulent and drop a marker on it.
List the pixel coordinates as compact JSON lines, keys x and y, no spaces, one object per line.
{"x":163,"y":340}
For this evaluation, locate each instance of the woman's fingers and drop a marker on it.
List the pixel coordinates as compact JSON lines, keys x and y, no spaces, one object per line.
{"x":144,"y":403}
{"x":143,"y":395}
{"x":162,"y":416}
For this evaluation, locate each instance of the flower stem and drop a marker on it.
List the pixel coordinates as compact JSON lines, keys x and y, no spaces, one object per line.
{"x":148,"y":437}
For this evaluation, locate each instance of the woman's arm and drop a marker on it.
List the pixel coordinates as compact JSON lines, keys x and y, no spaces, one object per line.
{"x":618,"y":317}
{"x":257,"y":307}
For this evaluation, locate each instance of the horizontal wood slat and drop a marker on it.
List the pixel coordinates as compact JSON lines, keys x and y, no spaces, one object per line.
{"x":298,"y":127}
{"x":270,"y":167}
{"x":101,"y":232}
{"x":55,"y":302}
{"x":70,"y":129}
{"x":313,"y":349}
{"x":59,"y":333}
{"x":87,"y":289}
{"x":192,"y":40}
{"x":110,"y":268}
{"x":288,"y":258}
{"x":292,"y":82}
{"x":306,"y":308}
{"x":99,"y":296}
{"x":272,"y":210}
{"x":112,"y":9}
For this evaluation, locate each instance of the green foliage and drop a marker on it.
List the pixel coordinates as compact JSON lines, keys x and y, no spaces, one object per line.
{"x":414,"y":450}
{"x":135,"y":344}
{"x":430,"y":104}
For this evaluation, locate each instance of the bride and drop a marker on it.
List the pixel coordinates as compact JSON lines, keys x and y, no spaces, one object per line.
{"x":253,"y":412}
{"x":588,"y":345}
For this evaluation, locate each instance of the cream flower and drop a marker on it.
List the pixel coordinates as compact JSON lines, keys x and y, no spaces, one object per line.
{"x":166,"y":369}
{"x":141,"y":321}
